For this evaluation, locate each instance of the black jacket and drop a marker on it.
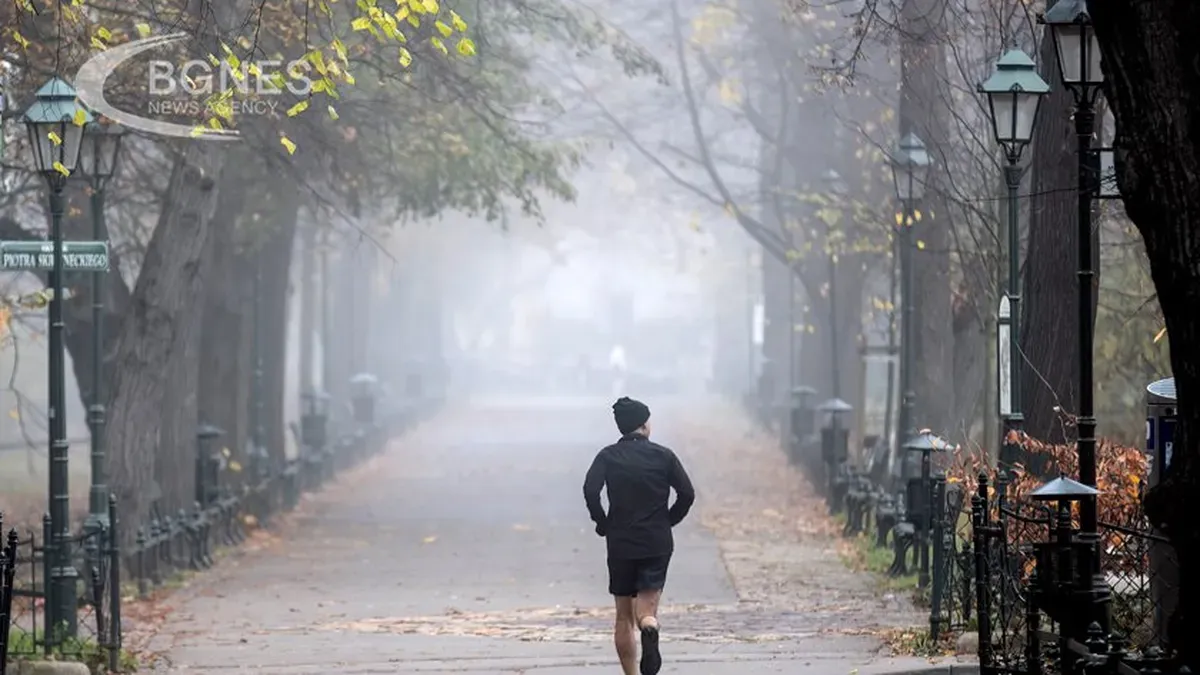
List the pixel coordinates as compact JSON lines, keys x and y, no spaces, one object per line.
{"x":639,"y":476}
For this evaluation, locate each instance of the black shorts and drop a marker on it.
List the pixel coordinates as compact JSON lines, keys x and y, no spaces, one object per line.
{"x":627,"y":577}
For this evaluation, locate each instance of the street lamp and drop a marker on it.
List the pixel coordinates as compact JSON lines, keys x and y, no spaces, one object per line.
{"x":1078,"y":54}
{"x":1014,"y":93}
{"x":910,"y":168}
{"x":98,"y":161}
{"x":836,"y":187}
{"x":55,"y":123}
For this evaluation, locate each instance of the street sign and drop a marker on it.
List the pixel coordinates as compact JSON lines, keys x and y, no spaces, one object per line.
{"x":78,"y":256}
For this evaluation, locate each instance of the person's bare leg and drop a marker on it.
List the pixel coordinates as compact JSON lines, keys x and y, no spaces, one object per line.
{"x":625,"y":636}
{"x":646,"y":607}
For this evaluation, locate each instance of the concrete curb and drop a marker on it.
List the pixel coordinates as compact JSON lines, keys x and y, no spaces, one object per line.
{"x":918,"y":666}
{"x":47,"y":668}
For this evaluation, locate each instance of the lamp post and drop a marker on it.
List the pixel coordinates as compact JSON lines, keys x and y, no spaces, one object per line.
{"x":1014,"y":93}
{"x":910,"y":167}
{"x":55,"y":124}
{"x":98,"y":162}
{"x":837,"y":189}
{"x":1078,"y":53}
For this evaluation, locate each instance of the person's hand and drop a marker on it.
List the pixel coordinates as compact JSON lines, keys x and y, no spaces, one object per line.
{"x":601,"y":529}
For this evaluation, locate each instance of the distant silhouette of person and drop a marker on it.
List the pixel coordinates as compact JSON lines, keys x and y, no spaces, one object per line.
{"x":639,"y":476}
{"x":616,"y":362}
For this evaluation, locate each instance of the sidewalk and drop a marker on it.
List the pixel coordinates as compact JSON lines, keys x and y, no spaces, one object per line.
{"x":466,"y":548}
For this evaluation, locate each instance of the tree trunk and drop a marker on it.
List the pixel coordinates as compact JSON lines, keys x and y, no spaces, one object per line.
{"x":923,"y":111}
{"x":225,"y":338}
{"x":154,"y":331}
{"x":276,"y":260}
{"x":1152,"y":85}
{"x":1049,"y":320}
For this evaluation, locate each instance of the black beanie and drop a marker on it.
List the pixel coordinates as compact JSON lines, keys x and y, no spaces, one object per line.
{"x":630,"y":414}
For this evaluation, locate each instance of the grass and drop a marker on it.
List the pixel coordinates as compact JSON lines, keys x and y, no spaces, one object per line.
{"x":27,"y":646}
{"x":862,"y":554}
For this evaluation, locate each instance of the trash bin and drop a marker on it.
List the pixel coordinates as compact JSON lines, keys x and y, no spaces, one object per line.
{"x":1160,"y":439}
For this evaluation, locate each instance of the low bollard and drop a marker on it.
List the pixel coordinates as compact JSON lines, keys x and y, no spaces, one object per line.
{"x":887,"y":514}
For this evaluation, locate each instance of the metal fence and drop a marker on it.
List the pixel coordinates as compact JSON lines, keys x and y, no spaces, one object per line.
{"x":88,"y":636}
{"x":1049,"y":603}
{"x":1004,"y":564}
{"x":8,"y":568}
{"x":165,"y":546}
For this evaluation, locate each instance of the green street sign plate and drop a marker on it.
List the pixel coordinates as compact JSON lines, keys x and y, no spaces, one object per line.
{"x":78,"y":256}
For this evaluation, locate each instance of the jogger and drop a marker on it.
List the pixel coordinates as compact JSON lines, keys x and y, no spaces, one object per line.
{"x":638,"y":476}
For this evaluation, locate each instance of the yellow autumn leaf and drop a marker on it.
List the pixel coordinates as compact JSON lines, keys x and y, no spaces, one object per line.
{"x":300,"y":107}
{"x":333,"y":114}
{"x":80,"y":117}
{"x":431,"y":6}
{"x":1161,"y":334}
{"x":143,"y":29}
{"x":98,"y":45}
{"x":235,"y":466}
{"x":466,"y":47}
{"x":405,"y":57}
{"x":288,"y":144}
{"x":920,"y":245}
{"x":196,"y":131}
{"x":317,"y":58}
{"x":58,"y":166}
{"x":361,"y":23}
{"x":226,"y":452}
{"x":438,"y":44}
{"x":340,"y":49}
{"x":442,"y":28}
{"x":457,"y":22}
{"x":917,"y":215}
{"x":20,"y":40}
{"x":54,"y":138}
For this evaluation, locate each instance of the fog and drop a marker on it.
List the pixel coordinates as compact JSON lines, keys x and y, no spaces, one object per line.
{"x":608,"y":295}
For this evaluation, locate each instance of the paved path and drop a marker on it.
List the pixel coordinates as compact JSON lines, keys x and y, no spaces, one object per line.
{"x":466,"y":548}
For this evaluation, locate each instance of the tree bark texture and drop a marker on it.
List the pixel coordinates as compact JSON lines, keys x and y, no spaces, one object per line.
{"x":225,"y":335}
{"x":153,"y":334}
{"x":1049,"y":319}
{"x":276,"y":260}
{"x":1153,"y":89}
{"x":923,"y":111}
